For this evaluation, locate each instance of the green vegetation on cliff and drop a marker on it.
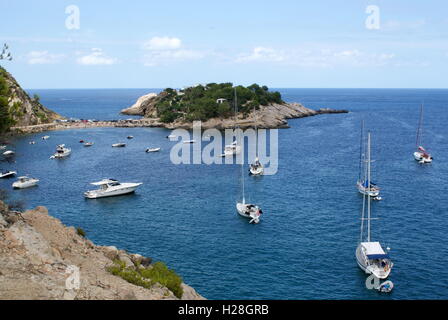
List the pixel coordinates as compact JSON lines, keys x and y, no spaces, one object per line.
{"x":212,"y":100}
{"x":6,"y":120}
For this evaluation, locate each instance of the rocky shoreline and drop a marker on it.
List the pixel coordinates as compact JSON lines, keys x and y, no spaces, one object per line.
{"x":38,"y":254}
{"x":268,"y":117}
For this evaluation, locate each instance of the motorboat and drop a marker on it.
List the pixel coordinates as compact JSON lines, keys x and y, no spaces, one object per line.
{"x":61,"y":152}
{"x":421,"y":155}
{"x":88,"y":144}
{"x":386,"y":287}
{"x":25,"y":182}
{"x":370,"y":256}
{"x":9,"y":153}
{"x":153,"y":150}
{"x":2,"y":147}
{"x":45,"y":137}
{"x":119,"y":145}
{"x":81,"y":141}
{"x":110,"y":188}
{"x":130,"y":137}
{"x":172,"y":137}
{"x":7,"y":174}
{"x":32,"y":142}
{"x":189,"y":141}
{"x":231,"y":149}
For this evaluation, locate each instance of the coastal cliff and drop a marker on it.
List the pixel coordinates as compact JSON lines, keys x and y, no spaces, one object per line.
{"x":17,"y":108}
{"x":257,"y":106}
{"x":38,"y":254}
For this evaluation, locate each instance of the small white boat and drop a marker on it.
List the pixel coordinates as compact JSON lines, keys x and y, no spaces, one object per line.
{"x":119,"y":145}
{"x":386,"y":286}
{"x":2,"y":147}
{"x":7,"y":174}
{"x":32,"y":142}
{"x":130,"y":137}
{"x":256,"y":168}
{"x":172,"y":136}
{"x":231,"y":150}
{"x":45,"y":137}
{"x":189,"y":141}
{"x":153,"y":150}
{"x":25,"y":182}
{"x":110,"y":188}
{"x":421,"y":155}
{"x":9,"y":153}
{"x":61,"y":152}
{"x":88,"y":144}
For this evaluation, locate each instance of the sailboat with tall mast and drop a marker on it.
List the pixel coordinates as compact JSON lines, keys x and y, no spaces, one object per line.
{"x":370,"y":255}
{"x":421,"y":155}
{"x":246,"y":210}
{"x":365,"y":186}
{"x":256,"y":168}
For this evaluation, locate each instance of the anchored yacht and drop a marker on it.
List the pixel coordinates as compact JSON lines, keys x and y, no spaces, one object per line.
{"x":7,"y":174}
{"x":421,"y":155}
{"x":25,"y":182}
{"x":61,"y":152}
{"x":365,"y":185}
{"x":110,"y":188}
{"x":370,"y":256}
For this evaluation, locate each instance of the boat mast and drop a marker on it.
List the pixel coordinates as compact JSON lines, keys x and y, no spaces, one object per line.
{"x":418,"y":142}
{"x":369,"y":184}
{"x":242,"y":154}
{"x":256,"y":135}
{"x":361,"y":149}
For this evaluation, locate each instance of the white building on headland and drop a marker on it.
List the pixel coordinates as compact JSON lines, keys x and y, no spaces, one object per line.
{"x":221,"y":100}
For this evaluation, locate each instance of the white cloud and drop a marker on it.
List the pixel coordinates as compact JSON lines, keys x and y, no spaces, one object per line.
{"x":43,"y":57}
{"x":166,"y":50}
{"x":262,"y":54}
{"x":314,"y":58}
{"x":96,"y":57}
{"x":163,"y":43}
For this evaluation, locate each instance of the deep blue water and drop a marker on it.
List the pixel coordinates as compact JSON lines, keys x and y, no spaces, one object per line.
{"x":304,"y":248}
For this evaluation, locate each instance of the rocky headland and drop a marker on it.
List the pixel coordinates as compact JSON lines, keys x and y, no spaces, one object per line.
{"x":270,"y":116}
{"x":38,"y":255}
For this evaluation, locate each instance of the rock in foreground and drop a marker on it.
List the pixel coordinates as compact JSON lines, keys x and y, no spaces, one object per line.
{"x":38,"y":255}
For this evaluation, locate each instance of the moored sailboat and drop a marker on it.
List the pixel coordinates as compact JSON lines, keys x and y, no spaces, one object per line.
{"x":421,"y":155}
{"x":370,"y":255}
{"x":365,"y":186}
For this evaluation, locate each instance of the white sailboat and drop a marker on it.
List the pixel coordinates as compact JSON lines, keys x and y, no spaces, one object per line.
{"x":421,"y":155}
{"x":246,"y":210}
{"x":370,"y":255}
{"x":365,"y":186}
{"x":256,"y":168}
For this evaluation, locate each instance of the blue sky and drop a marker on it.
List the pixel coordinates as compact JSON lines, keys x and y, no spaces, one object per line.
{"x":155,"y":44}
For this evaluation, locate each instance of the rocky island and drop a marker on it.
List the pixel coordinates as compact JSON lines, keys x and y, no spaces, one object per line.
{"x":213,"y":104}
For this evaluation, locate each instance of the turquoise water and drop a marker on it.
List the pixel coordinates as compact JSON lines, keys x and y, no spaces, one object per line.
{"x":304,"y":248}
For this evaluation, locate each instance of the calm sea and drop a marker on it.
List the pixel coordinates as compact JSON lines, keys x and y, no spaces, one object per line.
{"x":305,"y":246}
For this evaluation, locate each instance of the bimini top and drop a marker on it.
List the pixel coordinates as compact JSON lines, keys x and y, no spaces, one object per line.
{"x":374,"y":250}
{"x":104,"y":181}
